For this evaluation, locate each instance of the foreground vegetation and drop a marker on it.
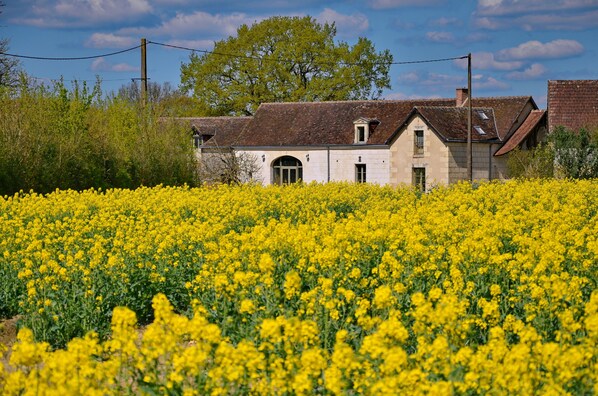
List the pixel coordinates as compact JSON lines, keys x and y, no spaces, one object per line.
{"x":53,"y":137}
{"x":327,"y":289}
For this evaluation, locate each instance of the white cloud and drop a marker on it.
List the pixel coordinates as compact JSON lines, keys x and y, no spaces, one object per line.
{"x":488,"y":83}
{"x":410,"y":78}
{"x":435,"y":80}
{"x":100,"y":64}
{"x":193,"y":44}
{"x":536,"y":14}
{"x":477,"y":37}
{"x":346,"y":25}
{"x":487,"y":23}
{"x":78,"y":13}
{"x":440,"y":37}
{"x":385,"y":4}
{"x":109,"y":40}
{"x":404,"y":25}
{"x":444,"y":21}
{"x":537,"y":50}
{"x":535,"y":71}
{"x":487,"y":61}
{"x":185,"y":25}
{"x":509,"y":7}
{"x":171,"y":2}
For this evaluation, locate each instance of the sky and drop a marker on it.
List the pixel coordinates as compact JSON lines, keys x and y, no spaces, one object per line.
{"x":516,"y":45}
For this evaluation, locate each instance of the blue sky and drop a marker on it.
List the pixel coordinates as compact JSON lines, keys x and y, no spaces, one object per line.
{"x":517,"y":45}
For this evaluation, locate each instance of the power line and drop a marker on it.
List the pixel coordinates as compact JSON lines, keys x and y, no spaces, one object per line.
{"x":205,"y":52}
{"x":211,"y":52}
{"x":70,"y":59}
{"x":289,"y":61}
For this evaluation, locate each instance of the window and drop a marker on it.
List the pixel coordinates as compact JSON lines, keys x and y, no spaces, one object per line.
{"x":362,"y":130}
{"x":482,"y":115}
{"x":419,"y":178}
{"x":418,"y":142}
{"x":360,"y":173}
{"x":287,"y":170}
{"x":361,"y":134}
{"x":479,"y":130}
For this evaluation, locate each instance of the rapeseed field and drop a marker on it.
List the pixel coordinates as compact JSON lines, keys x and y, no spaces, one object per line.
{"x":303,"y":289}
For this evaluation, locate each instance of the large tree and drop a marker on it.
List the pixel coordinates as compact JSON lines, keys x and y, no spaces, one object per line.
{"x":283,"y":59}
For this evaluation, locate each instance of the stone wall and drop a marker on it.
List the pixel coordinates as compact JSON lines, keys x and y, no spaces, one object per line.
{"x":435,"y":157}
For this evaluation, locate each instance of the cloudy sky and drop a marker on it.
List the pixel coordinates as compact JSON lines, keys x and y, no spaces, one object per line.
{"x":517,"y":45}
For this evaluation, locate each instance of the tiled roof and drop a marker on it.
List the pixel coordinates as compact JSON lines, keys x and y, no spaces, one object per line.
{"x":332,"y":123}
{"x":507,"y":109}
{"x":223,"y":129}
{"x":573,"y":103}
{"x":451,"y":122}
{"x":531,"y":122}
{"x":323,"y":123}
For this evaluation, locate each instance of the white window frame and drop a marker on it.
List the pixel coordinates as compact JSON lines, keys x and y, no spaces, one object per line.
{"x":366,"y":131}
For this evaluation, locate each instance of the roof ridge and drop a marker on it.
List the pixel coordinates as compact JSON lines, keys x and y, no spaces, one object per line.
{"x":503,"y":97}
{"x":360,"y":101}
{"x":212,"y":117}
{"x":457,"y":107}
{"x":572,"y":81}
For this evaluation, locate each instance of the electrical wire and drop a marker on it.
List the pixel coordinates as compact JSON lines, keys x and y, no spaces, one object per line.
{"x":201,"y":51}
{"x":70,"y":59}
{"x":210,"y":52}
{"x":290,"y":61}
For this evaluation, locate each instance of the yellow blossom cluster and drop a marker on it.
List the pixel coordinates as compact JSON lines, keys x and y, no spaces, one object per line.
{"x":303,"y":289}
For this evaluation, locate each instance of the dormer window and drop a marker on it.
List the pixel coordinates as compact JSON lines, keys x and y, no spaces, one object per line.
{"x":362,"y":130}
{"x":361,"y":134}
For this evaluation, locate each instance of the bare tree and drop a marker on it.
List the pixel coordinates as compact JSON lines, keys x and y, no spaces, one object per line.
{"x":155,"y":92}
{"x":223,"y":165}
{"x":9,"y":66}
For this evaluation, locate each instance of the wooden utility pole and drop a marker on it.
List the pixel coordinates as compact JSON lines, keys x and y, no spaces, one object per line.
{"x":469,"y":145}
{"x":143,"y":72}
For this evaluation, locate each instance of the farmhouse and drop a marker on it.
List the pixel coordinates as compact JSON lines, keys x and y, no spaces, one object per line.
{"x":420,"y":142}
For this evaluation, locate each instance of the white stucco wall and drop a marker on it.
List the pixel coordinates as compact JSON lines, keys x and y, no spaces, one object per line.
{"x":336,"y":163}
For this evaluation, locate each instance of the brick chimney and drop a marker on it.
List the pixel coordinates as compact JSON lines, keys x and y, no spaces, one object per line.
{"x":462,"y":95}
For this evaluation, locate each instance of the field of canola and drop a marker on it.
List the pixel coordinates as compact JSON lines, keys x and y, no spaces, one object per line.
{"x":305,"y":289}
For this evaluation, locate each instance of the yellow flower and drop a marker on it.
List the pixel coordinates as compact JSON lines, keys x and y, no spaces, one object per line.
{"x":247,"y":306}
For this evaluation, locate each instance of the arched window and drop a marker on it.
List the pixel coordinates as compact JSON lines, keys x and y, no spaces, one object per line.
{"x":287,"y":170}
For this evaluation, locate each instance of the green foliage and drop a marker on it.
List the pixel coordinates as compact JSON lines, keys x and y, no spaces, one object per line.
{"x":284,"y":59}
{"x":576,"y":154}
{"x":565,"y":154}
{"x":536,"y":163}
{"x":53,"y":137}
